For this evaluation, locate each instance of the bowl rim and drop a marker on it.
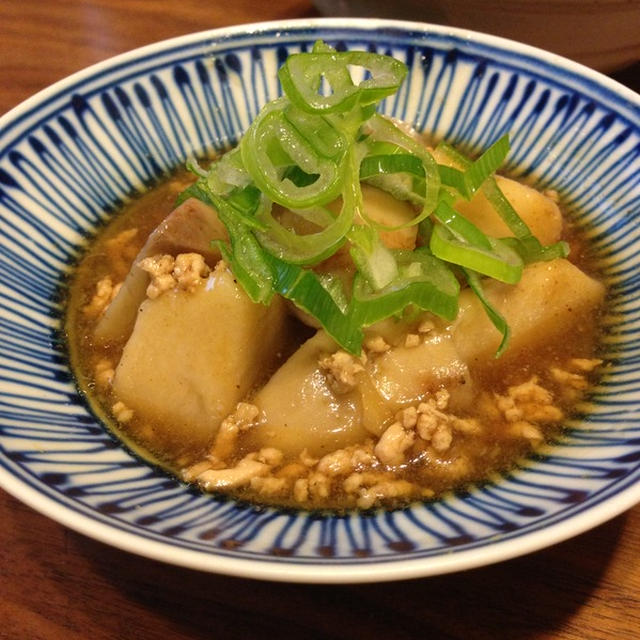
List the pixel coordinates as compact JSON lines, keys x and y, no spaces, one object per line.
{"x":283,"y":569}
{"x":292,"y":24}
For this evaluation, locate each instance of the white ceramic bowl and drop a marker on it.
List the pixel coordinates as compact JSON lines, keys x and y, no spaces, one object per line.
{"x":70,"y":155}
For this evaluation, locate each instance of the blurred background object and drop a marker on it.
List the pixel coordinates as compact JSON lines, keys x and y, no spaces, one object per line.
{"x":603,"y":34}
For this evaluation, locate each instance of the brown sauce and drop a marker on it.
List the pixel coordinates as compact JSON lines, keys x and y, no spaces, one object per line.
{"x":426,"y":472}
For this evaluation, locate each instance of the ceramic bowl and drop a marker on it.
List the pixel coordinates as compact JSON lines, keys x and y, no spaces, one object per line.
{"x":72,"y":154}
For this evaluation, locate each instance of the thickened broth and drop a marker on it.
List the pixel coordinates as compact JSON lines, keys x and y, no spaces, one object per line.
{"x":334,"y":314}
{"x":424,"y":410}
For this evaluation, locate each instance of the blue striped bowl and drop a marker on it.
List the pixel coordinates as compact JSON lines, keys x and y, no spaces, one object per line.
{"x":72,"y":154}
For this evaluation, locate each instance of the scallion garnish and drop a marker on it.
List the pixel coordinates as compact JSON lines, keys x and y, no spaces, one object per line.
{"x":313,"y":147}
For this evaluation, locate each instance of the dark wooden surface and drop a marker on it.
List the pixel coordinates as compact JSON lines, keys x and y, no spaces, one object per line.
{"x":57,"y":584}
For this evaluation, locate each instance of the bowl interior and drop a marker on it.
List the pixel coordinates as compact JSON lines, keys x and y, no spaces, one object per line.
{"x":73,"y":154}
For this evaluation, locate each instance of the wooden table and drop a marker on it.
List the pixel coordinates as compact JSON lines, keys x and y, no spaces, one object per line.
{"x":55,"y":583}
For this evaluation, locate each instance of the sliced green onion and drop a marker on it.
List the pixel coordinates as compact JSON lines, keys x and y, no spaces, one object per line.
{"x":464,"y":230}
{"x":381,"y":130}
{"x":499,"y":262}
{"x":302,"y":76}
{"x":386,"y":74}
{"x":505,"y":210}
{"x":381,"y":148}
{"x":375,"y":165}
{"x":423,"y":281}
{"x":192,"y":165}
{"x":271,"y":130}
{"x":374,"y":261}
{"x":299,"y":177}
{"x":456,"y":157}
{"x":425,"y":229}
{"x":315,"y":145}
{"x":320,"y":216}
{"x":306,"y":290}
{"x":320,"y":133}
{"x":245,"y":256}
{"x":525,"y":243}
{"x":474,"y":174}
{"x":486,"y":165}
{"x":243,"y":202}
{"x":228,"y":173}
{"x":311,"y":248}
{"x":195,"y":190}
{"x":399,"y":174}
{"x":529,"y":247}
{"x":452,"y":177}
{"x":475,"y":283}
{"x":335,"y":288}
{"x":532,"y":251}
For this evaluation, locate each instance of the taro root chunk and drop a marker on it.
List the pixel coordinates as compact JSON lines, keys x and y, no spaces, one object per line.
{"x":193,"y":356}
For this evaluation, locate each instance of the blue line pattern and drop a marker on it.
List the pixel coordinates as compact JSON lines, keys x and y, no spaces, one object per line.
{"x":68,"y":162}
